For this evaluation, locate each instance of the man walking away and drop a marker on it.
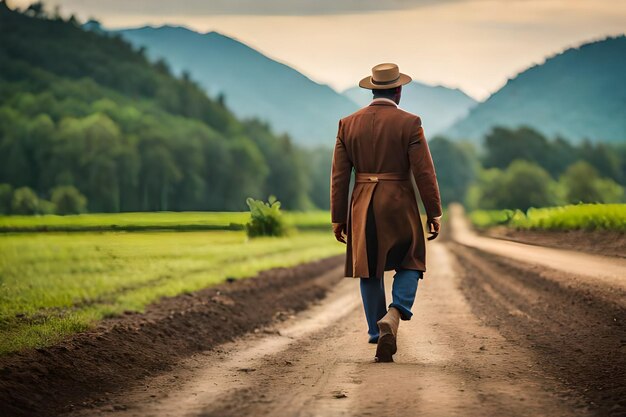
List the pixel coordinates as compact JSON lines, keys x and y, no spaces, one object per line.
{"x":381,"y":223}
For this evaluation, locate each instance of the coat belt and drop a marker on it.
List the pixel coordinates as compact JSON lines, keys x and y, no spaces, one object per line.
{"x":382,"y":176}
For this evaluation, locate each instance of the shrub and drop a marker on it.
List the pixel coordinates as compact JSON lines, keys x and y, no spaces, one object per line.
{"x":522,"y":185}
{"x":582,"y":183}
{"x":24,"y":201}
{"x":527,"y":185}
{"x":266,"y":219}
{"x":46,"y":207}
{"x":68,"y":200}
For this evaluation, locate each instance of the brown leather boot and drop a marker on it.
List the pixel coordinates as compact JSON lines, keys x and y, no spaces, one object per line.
{"x":388,"y":330}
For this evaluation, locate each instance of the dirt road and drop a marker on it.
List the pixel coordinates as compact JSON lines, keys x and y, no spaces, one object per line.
{"x":567,"y":307}
{"x":532,"y":340}
{"x":591,"y":268}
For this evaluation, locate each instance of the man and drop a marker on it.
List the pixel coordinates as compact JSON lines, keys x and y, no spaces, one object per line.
{"x":382,"y":226}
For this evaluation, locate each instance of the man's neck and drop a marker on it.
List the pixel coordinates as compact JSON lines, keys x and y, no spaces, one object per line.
{"x":376,"y":99}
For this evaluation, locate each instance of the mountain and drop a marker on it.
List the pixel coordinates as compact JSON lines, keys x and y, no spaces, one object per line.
{"x":84,"y":109}
{"x":439,"y":107}
{"x":578,"y":94}
{"x":253,"y":84}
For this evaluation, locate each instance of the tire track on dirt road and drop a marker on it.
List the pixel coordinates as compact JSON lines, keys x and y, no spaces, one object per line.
{"x":319,"y":364}
{"x":575,"y":325}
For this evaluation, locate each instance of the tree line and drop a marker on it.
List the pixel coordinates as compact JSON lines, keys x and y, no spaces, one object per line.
{"x":521,"y":168}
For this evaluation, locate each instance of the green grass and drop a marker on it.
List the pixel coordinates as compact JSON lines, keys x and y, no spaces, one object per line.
{"x":315,"y":220}
{"x":310,"y":220}
{"x":570,"y":217}
{"x":55,"y":284}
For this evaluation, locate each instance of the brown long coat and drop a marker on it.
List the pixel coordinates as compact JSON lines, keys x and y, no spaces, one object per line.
{"x":384,"y":226}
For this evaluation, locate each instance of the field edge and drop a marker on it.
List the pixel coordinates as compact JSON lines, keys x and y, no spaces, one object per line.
{"x":121,"y":350}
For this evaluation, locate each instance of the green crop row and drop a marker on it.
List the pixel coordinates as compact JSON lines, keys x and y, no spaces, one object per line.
{"x":569,"y":217}
{"x":316,"y":220}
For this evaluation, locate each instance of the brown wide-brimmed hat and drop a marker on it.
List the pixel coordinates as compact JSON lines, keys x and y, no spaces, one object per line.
{"x":384,"y":76}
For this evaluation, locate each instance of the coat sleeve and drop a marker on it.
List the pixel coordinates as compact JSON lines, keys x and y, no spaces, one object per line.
{"x":423,"y":170}
{"x":340,"y":180}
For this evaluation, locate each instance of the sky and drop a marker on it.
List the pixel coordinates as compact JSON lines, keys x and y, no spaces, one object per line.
{"x":474,"y":45}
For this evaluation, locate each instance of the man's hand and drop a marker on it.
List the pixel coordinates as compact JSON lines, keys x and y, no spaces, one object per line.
{"x":433,"y":227}
{"x":340,"y":229}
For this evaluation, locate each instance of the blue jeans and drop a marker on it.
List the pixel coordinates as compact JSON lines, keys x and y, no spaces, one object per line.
{"x":402,"y":293}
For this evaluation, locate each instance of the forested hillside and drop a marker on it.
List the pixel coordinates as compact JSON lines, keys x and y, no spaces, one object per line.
{"x":252,"y":84}
{"x":578,"y":94}
{"x":84,"y":109}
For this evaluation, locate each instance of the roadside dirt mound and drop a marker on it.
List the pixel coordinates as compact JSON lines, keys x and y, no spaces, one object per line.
{"x":576,"y":331}
{"x":609,"y":243}
{"x":89,"y":366}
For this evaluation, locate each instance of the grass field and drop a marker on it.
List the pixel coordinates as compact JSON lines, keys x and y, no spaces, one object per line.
{"x":317,"y":220}
{"x":54,"y":284}
{"x":570,"y":217}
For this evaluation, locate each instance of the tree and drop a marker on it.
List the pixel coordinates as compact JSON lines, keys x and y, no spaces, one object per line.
{"x":503,"y":146}
{"x":318,"y":162}
{"x":25,"y":201}
{"x":68,"y":200}
{"x":521,"y":186}
{"x":604,"y":158}
{"x":159,"y":176}
{"x":15,"y":167}
{"x":162,"y":66}
{"x":189,"y":156}
{"x":90,"y":149}
{"x":128,"y":168}
{"x":6,"y":195}
{"x":485,"y":192}
{"x":287,"y":178}
{"x":582,"y":184}
{"x":456,"y":168}
{"x":527,"y":185}
{"x":249,"y":175}
{"x":36,"y":10}
{"x":619,"y":150}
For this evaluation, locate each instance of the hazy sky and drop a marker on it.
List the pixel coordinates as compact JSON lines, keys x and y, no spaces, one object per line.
{"x":471,"y":44}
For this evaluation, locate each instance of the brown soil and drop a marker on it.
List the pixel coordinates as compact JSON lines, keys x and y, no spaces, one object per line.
{"x":576,"y":330}
{"x":318,"y":364}
{"x":607,"y":243}
{"x":88,"y":367}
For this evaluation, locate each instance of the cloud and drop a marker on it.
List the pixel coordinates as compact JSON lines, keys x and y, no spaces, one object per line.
{"x":236,"y":7}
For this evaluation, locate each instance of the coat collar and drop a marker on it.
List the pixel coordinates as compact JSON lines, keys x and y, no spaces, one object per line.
{"x":383,"y":102}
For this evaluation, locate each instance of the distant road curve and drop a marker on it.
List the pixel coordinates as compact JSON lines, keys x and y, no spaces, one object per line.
{"x":594,"y":269}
